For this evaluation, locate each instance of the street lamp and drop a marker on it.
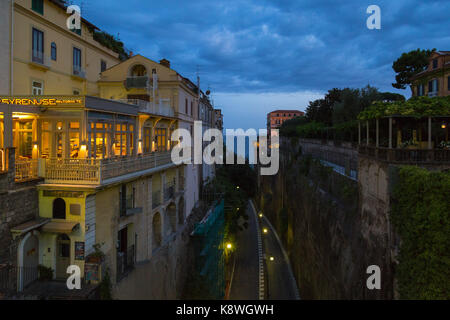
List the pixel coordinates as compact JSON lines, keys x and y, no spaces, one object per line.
{"x":271,"y":258}
{"x":265,"y":230}
{"x":260,"y":215}
{"x":229,"y":245}
{"x":237,"y":187}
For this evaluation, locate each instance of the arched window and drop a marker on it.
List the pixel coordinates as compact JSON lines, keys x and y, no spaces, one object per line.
{"x":53,"y":51}
{"x":138,"y":71}
{"x":59,"y":209}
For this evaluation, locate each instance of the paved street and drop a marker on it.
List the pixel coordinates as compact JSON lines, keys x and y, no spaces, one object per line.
{"x":279,"y":284}
{"x":245,"y":281}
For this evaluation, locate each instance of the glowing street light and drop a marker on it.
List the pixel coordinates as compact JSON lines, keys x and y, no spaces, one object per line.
{"x":237,"y":187}
{"x":260,"y":215}
{"x":271,"y":258}
{"x":229,"y":245}
{"x":265,"y":230}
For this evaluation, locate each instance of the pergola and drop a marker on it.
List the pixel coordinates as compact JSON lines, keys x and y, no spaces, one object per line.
{"x":418,"y":139}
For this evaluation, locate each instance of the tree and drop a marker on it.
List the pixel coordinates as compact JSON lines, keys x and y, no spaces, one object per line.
{"x":321,"y":110}
{"x":408,"y":65}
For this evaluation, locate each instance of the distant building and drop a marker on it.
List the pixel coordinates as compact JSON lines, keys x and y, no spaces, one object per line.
{"x":435,"y":80}
{"x":276,"y":118}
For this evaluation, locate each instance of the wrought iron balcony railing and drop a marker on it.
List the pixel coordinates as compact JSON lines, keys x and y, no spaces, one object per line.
{"x":137,"y":82}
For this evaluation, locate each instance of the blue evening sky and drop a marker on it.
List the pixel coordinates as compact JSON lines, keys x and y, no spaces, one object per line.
{"x":260,"y":55}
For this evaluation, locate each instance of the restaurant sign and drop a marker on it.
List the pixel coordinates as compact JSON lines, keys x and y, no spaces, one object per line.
{"x":49,"y":101}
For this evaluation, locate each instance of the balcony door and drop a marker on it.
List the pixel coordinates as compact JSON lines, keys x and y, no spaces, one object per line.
{"x":38,"y":46}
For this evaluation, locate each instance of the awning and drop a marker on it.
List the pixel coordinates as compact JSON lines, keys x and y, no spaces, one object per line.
{"x":60,"y":227}
{"x":29,"y":226}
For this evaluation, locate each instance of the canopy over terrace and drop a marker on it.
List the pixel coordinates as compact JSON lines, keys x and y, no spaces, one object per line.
{"x":70,"y":127}
{"x":413,"y":131}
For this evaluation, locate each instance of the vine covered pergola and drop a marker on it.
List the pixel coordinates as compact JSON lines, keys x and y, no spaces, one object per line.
{"x":413,"y":131}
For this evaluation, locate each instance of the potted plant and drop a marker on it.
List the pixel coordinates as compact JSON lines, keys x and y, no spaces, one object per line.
{"x":97,"y":256}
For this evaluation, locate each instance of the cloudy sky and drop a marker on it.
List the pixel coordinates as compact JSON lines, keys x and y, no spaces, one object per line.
{"x":261,"y":55}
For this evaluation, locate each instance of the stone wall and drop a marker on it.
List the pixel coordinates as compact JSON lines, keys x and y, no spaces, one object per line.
{"x":164,"y":275}
{"x":17,"y":206}
{"x":332,"y":227}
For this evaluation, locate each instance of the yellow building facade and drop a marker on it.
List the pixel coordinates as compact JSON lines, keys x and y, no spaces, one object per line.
{"x":92,"y":134}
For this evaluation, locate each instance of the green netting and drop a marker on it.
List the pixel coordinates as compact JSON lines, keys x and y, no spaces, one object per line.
{"x":209,"y":255}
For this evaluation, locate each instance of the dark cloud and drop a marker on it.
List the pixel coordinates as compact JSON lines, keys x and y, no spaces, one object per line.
{"x":276,"y":46}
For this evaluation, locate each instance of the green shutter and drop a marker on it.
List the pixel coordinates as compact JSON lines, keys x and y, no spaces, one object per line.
{"x":38,"y":6}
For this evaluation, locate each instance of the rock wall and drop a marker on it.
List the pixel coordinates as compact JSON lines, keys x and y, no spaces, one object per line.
{"x":17,"y":205}
{"x":332,"y":227}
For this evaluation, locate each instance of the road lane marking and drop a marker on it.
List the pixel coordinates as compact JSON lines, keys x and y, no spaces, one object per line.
{"x":260,"y":254}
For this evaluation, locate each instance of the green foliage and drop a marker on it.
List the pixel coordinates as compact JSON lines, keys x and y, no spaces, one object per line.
{"x":408,"y":65}
{"x":335,"y":116}
{"x":417,"y":107}
{"x":112,"y":43}
{"x":228,"y":179}
{"x":310,"y":130}
{"x":421,"y":215}
{"x":45,"y":273}
{"x":106,"y":287}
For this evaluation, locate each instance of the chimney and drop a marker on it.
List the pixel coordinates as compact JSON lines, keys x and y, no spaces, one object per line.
{"x":165,"y":63}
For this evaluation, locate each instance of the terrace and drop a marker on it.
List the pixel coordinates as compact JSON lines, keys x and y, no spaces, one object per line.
{"x":414,"y":133}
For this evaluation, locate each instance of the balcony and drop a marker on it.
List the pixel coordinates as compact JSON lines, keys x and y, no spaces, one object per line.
{"x":137,"y":82}
{"x":79,"y":72}
{"x":161,"y":109}
{"x":406,"y":156}
{"x":97,"y":171}
{"x":26,"y":169}
{"x":40,"y":60}
{"x":125,"y":262}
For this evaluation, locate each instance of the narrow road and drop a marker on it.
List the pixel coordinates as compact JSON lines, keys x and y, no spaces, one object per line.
{"x":280,"y":283}
{"x":244,"y":285}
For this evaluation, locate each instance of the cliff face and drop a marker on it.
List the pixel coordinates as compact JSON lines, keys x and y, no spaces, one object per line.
{"x":332,"y":227}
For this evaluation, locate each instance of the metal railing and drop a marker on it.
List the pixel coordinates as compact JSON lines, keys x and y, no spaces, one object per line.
{"x":41,"y":58}
{"x":79,"y":72}
{"x":156,"y":199}
{"x":26,"y":169}
{"x":137,"y":82}
{"x":151,"y":107}
{"x":125,"y":262}
{"x":10,"y":276}
{"x":94,"y":171}
{"x":406,"y":155}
